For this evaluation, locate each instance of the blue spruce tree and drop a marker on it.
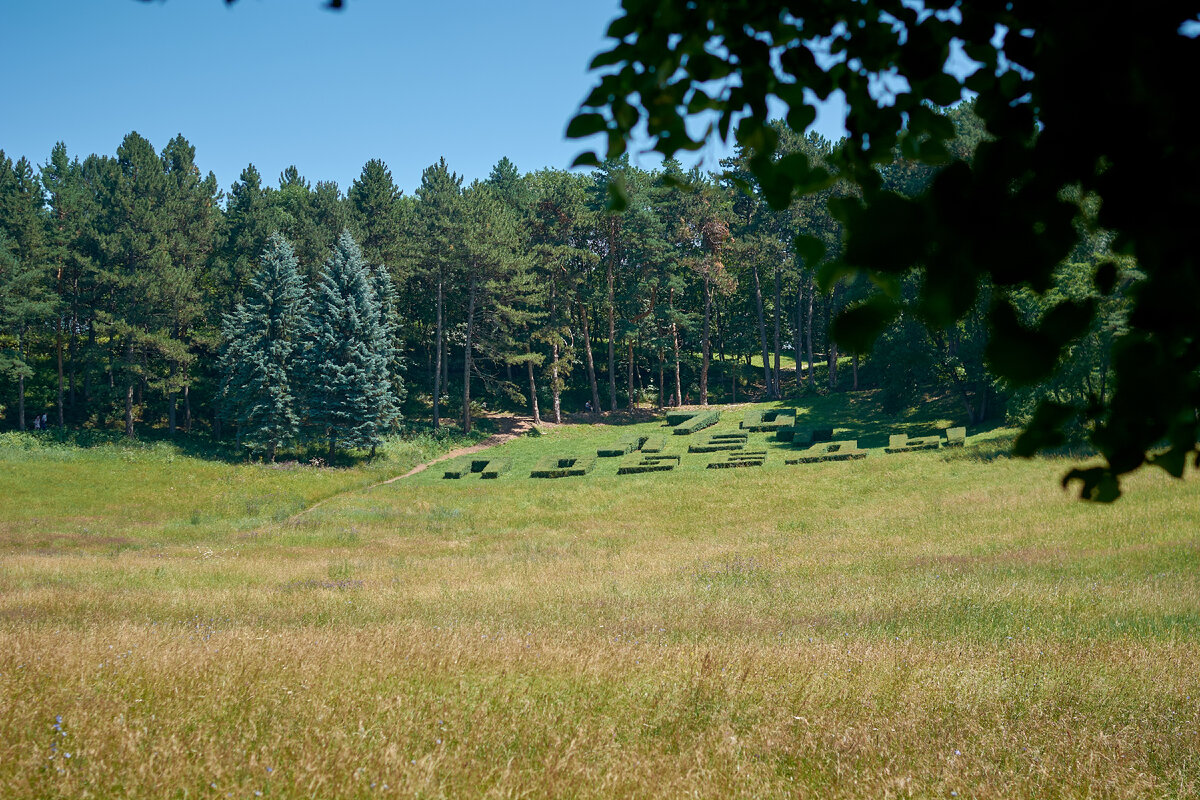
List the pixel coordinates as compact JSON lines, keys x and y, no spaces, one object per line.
{"x":387,"y":300}
{"x":348,"y":368}
{"x":263,"y":356}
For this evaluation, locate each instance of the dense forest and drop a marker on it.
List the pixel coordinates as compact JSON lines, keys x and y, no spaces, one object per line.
{"x":130,"y":286}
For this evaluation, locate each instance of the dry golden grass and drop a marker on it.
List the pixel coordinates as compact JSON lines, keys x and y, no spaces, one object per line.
{"x":908,"y":626}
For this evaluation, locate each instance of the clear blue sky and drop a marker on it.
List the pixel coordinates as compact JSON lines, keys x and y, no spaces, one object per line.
{"x":280,"y":82}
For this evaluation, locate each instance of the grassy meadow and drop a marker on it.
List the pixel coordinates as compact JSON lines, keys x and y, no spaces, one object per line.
{"x":931,"y":624}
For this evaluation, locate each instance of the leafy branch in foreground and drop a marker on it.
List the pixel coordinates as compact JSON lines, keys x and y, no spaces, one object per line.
{"x":1079,"y":108}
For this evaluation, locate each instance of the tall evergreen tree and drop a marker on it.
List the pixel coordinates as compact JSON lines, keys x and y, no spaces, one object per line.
{"x":438,"y":254}
{"x":388,"y":344}
{"x":262,"y":360}
{"x":347,"y":371}
{"x":25,"y":299}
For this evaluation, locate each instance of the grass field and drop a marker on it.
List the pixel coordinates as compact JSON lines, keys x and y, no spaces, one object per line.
{"x":935,"y":624}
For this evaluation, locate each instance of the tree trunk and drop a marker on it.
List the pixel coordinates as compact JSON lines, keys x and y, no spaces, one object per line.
{"x":171,"y":402}
{"x":762,"y":332}
{"x":555,"y":388}
{"x":58,"y":347}
{"x":437,"y":363}
{"x":21,"y":379}
{"x":467,"y":358}
{"x":833,"y":348}
{"x":555,"y":384}
{"x":632,"y":393}
{"x":662,"y":381}
{"x":675,"y":351}
{"x":612,"y":341}
{"x":778,"y":325}
{"x":799,"y":336}
{"x":187,"y":409}
{"x":855,"y":370}
{"x":705,"y":345}
{"x":129,"y":392}
{"x":591,"y":365}
{"x":533,"y":404}
{"x":808,"y":335}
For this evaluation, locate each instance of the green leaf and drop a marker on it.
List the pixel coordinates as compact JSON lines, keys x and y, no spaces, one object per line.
{"x":1098,"y":484}
{"x":586,"y":124}
{"x":586,"y":159}
{"x":1105,"y":278}
{"x":856,"y":328}
{"x":809,"y":249}
{"x":1044,"y":429}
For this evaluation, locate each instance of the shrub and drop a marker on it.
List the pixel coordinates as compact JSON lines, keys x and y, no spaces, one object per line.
{"x":743,"y":458}
{"x":654,"y":444}
{"x":828,"y":451}
{"x":644,"y":462}
{"x":495,"y":468}
{"x":483,"y":467}
{"x":902,"y":443}
{"x":697,"y":422}
{"x":720,"y":441}
{"x":676,"y":417}
{"x":626,"y":444}
{"x":785,"y":433}
{"x":956,"y":437}
{"x":562,"y":466}
{"x":769,"y":420}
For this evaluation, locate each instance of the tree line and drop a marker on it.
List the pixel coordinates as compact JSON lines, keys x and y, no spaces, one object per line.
{"x":135,"y":292}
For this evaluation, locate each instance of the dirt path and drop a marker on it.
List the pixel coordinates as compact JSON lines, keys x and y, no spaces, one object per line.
{"x":509,"y":428}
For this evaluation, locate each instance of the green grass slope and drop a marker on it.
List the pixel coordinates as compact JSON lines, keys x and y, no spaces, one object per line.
{"x":928,"y":624}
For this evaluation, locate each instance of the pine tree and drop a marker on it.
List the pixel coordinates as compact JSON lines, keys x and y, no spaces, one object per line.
{"x":265,"y":338}
{"x":387,"y":344}
{"x":347,"y":372}
{"x":25,"y":299}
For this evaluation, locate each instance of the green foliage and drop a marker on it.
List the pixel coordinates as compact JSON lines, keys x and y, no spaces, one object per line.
{"x":1005,"y":215}
{"x":654,"y":444}
{"x":700,"y":421}
{"x":828,"y":451}
{"x":638,"y":463}
{"x":741,"y":458}
{"x":485,"y":468}
{"x":347,"y":366}
{"x":768,"y":420}
{"x":263,"y":357}
{"x":903,"y":443}
{"x":626,"y":444}
{"x":735,"y":440}
{"x":563,"y":466}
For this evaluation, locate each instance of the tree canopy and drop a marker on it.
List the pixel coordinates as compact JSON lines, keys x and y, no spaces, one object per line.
{"x":1085,"y":139}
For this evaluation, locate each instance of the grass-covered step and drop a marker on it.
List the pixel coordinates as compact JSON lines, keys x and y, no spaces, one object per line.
{"x":562,"y":466}
{"x":698,"y":422}
{"x":730,"y":440}
{"x":740,"y":458}
{"x":495,"y":468}
{"x":804,"y":436}
{"x":828,"y":451}
{"x":654,"y":444}
{"x":903,"y":443}
{"x":766,"y":420}
{"x":637,"y":463}
{"x":626,"y":444}
{"x":483,"y":467}
{"x":956,"y":437}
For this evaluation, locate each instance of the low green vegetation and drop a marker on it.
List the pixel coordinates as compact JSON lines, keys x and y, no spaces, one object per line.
{"x":923,"y":624}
